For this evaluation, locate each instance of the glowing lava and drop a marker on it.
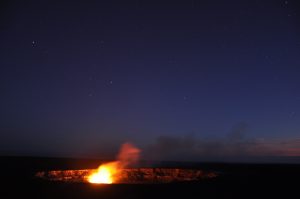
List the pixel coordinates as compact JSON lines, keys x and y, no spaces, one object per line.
{"x":104,"y":174}
{"x":108,"y":173}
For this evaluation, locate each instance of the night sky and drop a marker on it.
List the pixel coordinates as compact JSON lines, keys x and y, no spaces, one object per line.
{"x":180,"y":79}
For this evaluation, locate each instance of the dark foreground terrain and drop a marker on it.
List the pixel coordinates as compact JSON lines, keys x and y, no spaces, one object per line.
{"x":234,"y":181}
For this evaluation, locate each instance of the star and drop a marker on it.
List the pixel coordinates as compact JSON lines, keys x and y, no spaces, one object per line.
{"x":33,"y":43}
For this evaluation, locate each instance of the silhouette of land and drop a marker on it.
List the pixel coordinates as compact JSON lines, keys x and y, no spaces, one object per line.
{"x":18,"y":180}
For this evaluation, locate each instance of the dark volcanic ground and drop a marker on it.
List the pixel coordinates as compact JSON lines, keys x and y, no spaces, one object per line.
{"x":235,"y":181}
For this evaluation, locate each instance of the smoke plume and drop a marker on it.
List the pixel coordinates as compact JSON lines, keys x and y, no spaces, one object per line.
{"x":128,"y":155}
{"x":234,"y":146}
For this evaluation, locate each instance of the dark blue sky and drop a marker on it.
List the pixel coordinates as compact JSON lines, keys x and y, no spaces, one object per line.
{"x":79,"y":78}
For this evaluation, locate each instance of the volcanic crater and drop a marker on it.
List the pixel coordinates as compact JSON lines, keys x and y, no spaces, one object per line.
{"x":131,"y":175}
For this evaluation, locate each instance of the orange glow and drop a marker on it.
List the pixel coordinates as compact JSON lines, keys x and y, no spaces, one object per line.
{"x":105,"y":174}
{"x":108,"y":173}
